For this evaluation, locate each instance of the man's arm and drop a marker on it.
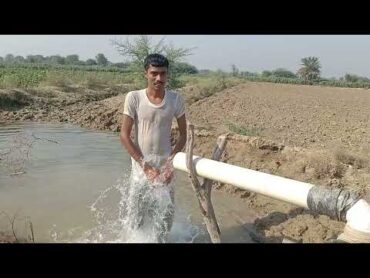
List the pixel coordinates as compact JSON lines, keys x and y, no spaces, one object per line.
{"x":182,"y":138}
{"x":168,"y":170}
{"x":133,"y":150}
{"x":126,"y":141}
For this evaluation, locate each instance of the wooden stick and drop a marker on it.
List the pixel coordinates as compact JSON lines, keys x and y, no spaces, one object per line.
{"x":203,"y":192}
{"x":207,"y":183}
{"x":189,"y":163}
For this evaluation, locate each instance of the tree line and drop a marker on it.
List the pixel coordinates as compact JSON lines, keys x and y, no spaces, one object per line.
{"x":135,"y":51}
{"x":74,"y":59}
{"x":310,"y":70}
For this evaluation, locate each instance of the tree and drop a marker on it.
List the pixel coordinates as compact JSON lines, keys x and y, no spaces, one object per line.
{"x":355,"y":78}
{"x":185,"y":68}
{"x":137,"y":50}
{"x":9,"y":58}
{"x":19,"y":59}
{"x":57,"y":59}
{"x":1,"y":59}
{"x":266,"y":73}
{"x":90,"y":62}
{"x":72,"y":59}
{"x":101,"y":60}
{"x":30,"y":59}
{"x":311,"y":68}
{"x":280,"y":72}
{"x":350,"y":78}
{"x":36,"y":59}
{"x":40,"y":59}
{"x":234,"y":70}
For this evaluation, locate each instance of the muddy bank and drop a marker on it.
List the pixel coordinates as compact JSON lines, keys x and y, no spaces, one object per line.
{"x":299,"y":152}
{"x":279,"y":219}
{"x":86,"y":107}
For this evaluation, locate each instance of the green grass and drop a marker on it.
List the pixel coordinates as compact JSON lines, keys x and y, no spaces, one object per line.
{"x":242,"y":130}
{"x":32,"y":77}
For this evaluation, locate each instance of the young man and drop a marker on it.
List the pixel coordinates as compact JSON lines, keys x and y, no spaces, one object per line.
{"x":151,"y":112}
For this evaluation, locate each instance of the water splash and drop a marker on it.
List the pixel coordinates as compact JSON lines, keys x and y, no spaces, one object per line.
{"x":135,"y":210}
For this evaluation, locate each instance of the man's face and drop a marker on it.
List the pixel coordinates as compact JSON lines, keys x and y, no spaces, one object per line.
{"x":157,"y":77}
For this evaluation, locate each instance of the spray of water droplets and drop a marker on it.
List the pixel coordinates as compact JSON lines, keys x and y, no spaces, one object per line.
{"x":135,"y":210}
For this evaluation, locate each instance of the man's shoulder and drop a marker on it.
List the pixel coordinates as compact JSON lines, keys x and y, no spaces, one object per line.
{"x":173,"y":94}
{"x":135,"y":94}
{"x":170,"y":91}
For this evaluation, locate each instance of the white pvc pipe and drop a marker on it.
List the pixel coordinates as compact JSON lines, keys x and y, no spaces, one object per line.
{"x":284,"y":189}
{"x":358,"y":216}
{"x":288,"y":190}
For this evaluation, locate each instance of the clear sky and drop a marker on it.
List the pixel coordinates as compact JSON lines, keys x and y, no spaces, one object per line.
{"x":338,"y":54}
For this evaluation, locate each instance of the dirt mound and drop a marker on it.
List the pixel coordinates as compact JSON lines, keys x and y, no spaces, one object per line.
{"x":298,"y":226}
{"x":83,"y":106}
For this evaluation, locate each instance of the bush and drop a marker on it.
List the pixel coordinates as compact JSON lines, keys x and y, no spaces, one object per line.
{"x":20,"y":77}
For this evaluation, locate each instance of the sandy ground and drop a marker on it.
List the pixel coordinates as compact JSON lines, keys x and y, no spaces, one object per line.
{"x":308,"y":133}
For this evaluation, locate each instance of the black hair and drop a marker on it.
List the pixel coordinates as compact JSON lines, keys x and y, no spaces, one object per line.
{"x":155,"y":60}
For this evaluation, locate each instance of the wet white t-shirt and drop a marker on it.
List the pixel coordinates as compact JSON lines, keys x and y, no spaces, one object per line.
{"x":153,"y":122}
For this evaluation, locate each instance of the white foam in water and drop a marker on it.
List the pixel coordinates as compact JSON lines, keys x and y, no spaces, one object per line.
{"x":139,"y":216}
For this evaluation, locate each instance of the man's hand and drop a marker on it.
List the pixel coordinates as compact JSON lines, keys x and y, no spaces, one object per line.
{"x":150,"y":172}
{"x":168,"y":177}
{"x":167,"y":170}
{"x":164,"y":175}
